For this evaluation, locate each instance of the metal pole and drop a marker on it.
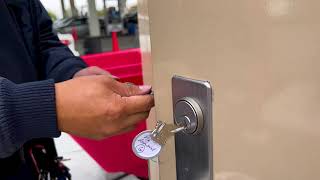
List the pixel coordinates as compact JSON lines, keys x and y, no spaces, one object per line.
{"x":122,"y":6}
{"x":74,"y":12}
{"x":64,"y":13}
{"x":104,"y":5}
{"x":94,"y":26}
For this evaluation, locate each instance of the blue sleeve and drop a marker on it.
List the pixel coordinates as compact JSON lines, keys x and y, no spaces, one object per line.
{"x":27,"y":111}
{"x":57,"y":61}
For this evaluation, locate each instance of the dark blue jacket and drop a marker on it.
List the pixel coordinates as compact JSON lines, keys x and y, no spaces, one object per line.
{"x":31,"y":60}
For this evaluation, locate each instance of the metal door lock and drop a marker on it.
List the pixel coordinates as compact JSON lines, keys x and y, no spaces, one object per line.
{"x":192,"y":103}
{"x":188,"y":113}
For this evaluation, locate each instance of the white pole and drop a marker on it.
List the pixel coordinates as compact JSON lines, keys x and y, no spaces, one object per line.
{"x":122,"y":5}
{"x":63,"y":9}
{"x":74,"y":12}
{"x":94,"y":26}
{"x":104,"y":5}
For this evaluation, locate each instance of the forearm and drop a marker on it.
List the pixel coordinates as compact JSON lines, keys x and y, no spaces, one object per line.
{"x":61,"y":66}
{"x":57,"y":61}
{"x":27,"y":111}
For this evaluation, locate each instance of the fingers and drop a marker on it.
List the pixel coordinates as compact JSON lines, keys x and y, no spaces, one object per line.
{"x":94,"y":70}
{"x":145,"y":89}
{"x":126,"y":130}
{"x":129,"y":89}
{"x":137,"y":104}
{"x":132,"y":120}
{"x":98,"y":71}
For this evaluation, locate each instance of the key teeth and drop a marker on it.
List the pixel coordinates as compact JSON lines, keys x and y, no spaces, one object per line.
{"x":160,"y":140}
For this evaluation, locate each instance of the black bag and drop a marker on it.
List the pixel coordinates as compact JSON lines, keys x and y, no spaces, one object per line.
{"x":42,"y":156}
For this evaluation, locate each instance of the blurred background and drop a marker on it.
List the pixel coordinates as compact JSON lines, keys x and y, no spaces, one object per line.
{"x":91,"y":23}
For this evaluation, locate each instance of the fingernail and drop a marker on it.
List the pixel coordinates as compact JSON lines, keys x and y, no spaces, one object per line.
{"x":145,"y":88}
{"x":115,"y":77}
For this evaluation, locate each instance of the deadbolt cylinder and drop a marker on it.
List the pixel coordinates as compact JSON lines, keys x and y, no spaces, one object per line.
{"x":187,"y":112}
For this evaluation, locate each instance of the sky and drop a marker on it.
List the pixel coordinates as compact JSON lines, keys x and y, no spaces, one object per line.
{"x":55,"y":6}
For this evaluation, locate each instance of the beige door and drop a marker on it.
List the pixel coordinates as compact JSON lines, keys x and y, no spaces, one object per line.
{"x":262,"y":58}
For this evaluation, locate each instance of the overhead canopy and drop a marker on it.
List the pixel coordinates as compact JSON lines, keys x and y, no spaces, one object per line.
{"x":94,"y":26}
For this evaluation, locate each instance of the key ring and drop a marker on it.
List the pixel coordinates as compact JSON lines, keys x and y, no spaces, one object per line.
{"x":144,"y":147}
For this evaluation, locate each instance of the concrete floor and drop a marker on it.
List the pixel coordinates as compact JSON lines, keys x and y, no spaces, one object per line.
{"x":82,"y":166}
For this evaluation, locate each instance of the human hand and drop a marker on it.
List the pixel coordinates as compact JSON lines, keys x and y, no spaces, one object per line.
{"x":98,"y":106}
{"x":93,"y":70}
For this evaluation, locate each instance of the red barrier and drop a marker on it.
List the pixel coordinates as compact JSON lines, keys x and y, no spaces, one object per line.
{"x":115,"y":43}
{"x":114,"y":154}
{"x":75,"y":34}
{"x":114,"y":59}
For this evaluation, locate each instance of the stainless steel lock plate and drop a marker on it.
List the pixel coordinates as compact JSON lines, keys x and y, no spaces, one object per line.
{"x":192,"y":102}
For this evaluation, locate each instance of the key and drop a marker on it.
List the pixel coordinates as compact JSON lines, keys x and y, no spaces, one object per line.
{"x":148,"y":144}
{"x":164,"y":131}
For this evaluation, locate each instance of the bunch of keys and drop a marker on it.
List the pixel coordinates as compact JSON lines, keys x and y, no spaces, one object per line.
{"x":148,"y":144}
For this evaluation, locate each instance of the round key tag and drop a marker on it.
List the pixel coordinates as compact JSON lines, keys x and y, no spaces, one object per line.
{"x":144,"y":147}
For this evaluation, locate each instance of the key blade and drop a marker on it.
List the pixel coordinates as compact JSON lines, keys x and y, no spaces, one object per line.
{"x":161,"y":141}
{"x":178,"y":130}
